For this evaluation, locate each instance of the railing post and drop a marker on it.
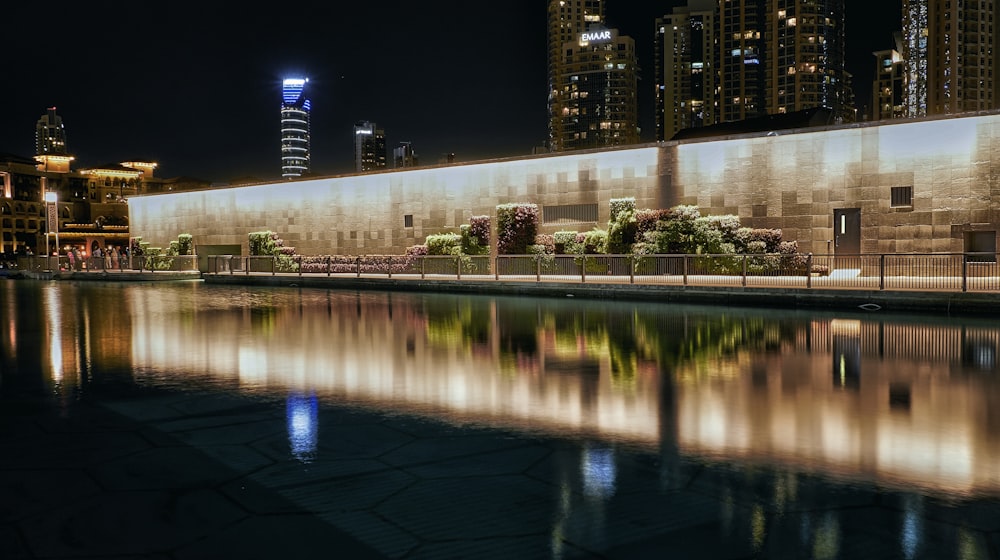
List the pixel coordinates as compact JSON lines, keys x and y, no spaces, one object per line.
{"x":300,"y":266}
{"x":274,"y":264}
{"x":247,"y":267}
{"x":583,"y":268}
{"x":357,"y":265}
{"x":538,"y":268}
{"x":496,"y":268}
{"x":744,"y":280}
{"x":389,"y":266}
{"x":328,"y":259}
{"x":458,"y":267}
{"x":965,"y":273}
{"x":685,"y":267}
{"x":631,"y":269}
{"x":881,"y":271}
{"x":809,"y":270}
{"x":423,"y":260}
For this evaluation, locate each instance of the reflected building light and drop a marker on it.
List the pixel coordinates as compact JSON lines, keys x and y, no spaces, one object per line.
{"x":599,"y":472}
{"x":53,"y":311}
{"x":302,"y":415}
{"x":910,"y":535}
{"x":826,"y":544}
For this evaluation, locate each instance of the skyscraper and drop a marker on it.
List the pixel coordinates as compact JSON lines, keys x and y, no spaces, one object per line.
{"x":888,"y":89}
{"x":729,"y":60}
{"x":592,"y":79}
{"x":807,"y":58}
{"x":369,"y":147}
{"x":567,"y":20}
{"x":50,"y":134}
{"x":950,"y":56}
{"x":686,"y":68}
{"x":404,"y":156}
{"x":295,"y":108}
{"x":742,"y":74}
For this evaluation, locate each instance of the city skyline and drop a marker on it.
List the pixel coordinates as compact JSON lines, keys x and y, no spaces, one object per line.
{"x":198,"y":94}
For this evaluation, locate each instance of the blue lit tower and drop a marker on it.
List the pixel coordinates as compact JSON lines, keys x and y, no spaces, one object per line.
{"x":294,"y":128}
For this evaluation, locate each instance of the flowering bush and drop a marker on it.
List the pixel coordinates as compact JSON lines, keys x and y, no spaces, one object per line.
{"x":479,"y":228}
{"x":546,"y":242}
{"x":517,"y":225}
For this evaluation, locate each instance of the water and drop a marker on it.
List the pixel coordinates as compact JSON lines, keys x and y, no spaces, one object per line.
{"x":705,"y":432}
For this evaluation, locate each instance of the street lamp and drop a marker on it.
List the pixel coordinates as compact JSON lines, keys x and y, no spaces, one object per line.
{"x":52,"y":221}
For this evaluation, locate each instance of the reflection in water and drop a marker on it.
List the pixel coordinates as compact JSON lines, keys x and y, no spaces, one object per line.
{"x":302,"y":416}
{"x":598,"y":466}
{"x":891,"y":401}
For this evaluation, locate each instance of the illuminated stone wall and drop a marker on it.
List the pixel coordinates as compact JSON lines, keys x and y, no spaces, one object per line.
{"x":791,"y":181}
{"x":365,"y":214}
{"x":795,"y":181}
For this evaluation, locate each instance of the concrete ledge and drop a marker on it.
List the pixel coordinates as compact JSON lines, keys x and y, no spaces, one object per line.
{"x":936,"y":303}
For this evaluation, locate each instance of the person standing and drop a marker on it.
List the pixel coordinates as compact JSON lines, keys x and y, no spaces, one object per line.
{"x":71,"y":255}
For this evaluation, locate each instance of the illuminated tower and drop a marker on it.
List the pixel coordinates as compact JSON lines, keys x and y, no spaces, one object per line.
{"x":949,"y":54}
{"x":742,"y":92}
{"x":686,"y":67}
{"x":806,"y":57}
{"x":567,"y":19}
{"x":294,"y":128}
{"x":888,"y":99}
{"x":369,"y":147}
{"x":599,"y":82}
{"x":50,"y":134}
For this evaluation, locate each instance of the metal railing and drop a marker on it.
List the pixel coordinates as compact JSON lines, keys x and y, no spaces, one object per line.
{"x":929,"y":271}
{"x":135,"y":263}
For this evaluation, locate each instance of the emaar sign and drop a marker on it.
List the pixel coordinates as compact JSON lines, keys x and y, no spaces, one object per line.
{"x":595,"y":36}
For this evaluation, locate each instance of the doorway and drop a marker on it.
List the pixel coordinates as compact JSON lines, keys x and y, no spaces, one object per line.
{"x":847,"y":231}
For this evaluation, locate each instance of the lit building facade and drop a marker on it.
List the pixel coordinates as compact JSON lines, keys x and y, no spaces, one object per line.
{"x":404,"y":156}
{"x":806,"y":54}
{"x":742,"y":93}
{"x":369,"y":147}
{"x":50,"y":134}
{"x":723,"y":61}
{"x":889,"y":86}
{"x":295,"y":139}
{"x":599,"y":99}
{"x":951,"y":58}
{"x":567,"y":19}
{"x":686,"y":67}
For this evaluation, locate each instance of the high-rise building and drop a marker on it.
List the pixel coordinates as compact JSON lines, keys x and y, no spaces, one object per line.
{"x":600,"y":105}
{"x":50,"y":134}
{"x":295,"y":139}
{"x":729,"y":60}
{"x":806,"y":58}
{"x":742,"y":70}
{"x":369,"y":147}
{"x":592,"y":79}
{"x":404,"y":156}
{"x":950,"y":56}
{"x":686,"y":48}
{"x":888,"y":88}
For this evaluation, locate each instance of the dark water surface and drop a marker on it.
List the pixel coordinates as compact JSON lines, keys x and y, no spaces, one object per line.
{"x":562,"y":428}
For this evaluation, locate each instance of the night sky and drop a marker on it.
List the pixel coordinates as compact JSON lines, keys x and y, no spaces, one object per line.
{"x":196,"y":86}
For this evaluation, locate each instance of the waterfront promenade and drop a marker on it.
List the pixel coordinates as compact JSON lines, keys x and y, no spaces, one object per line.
{"x":947,"y":295}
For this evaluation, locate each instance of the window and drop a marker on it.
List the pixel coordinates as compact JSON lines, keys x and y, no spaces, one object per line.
{"x":569,"y":213}
{"x":901,"y":197}
{"x":408,"y":220}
